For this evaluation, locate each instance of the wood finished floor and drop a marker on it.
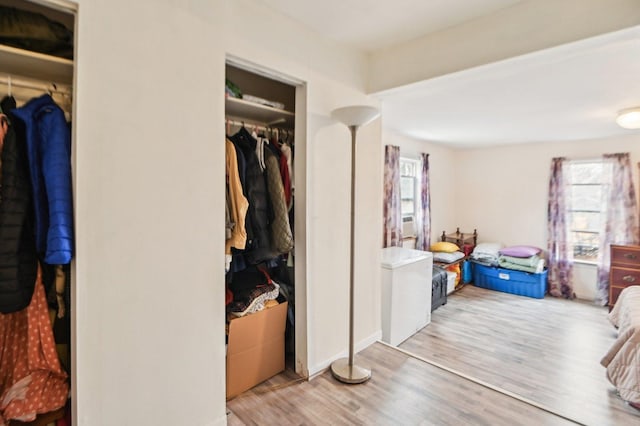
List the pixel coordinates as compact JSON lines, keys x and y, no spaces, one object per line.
{"x":508,"y":341}
{"x":546,"y":350}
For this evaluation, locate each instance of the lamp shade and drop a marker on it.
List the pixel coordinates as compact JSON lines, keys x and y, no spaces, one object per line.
{"x":358,"y":115}
{"x":629,"y":118}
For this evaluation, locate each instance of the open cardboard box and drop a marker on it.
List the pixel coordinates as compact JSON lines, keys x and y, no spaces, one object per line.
{"x":255,"y":348}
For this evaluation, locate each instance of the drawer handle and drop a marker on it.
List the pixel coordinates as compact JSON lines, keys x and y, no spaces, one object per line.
{"x":629,"y":278}
{"x":629,"y":256}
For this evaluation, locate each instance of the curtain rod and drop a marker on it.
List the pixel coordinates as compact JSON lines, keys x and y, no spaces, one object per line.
{"x":28,"y":84}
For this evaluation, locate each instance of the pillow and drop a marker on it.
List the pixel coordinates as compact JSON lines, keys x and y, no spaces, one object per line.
{"x":444,"y":246}
{"x":443,"y":257}
{"x":487,"y":248}
{"x":520,"y":251}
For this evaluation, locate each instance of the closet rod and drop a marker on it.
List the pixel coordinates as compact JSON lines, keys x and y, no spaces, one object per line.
{"x":26,"y":84}
{"x":251,"y":125}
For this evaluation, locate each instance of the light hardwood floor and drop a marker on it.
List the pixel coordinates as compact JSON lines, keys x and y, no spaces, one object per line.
{"x":546,"y":350}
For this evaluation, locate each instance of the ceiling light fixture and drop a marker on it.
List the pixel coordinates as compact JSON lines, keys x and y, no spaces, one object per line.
{"x":629,"y":118}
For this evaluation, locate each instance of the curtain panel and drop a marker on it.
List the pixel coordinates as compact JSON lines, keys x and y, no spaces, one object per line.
{"x":619,"y":215}
{"x":423,"y":212}
{"x":560,"y":262}
{"x":392,"y":224}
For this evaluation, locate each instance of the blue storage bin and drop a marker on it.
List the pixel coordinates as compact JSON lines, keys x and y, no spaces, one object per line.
{"x":510,"y":281}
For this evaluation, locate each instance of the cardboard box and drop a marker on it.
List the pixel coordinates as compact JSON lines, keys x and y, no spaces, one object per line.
{"x":255,"y":348}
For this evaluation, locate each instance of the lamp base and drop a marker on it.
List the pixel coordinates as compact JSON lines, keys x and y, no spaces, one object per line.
{"x":351,"y":374}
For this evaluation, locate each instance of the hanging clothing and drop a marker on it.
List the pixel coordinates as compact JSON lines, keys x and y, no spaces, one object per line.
{"x":259,"y":248}
{"x":18,"y":259}
{"x":242,"y":167}
{"x":238,"y":204}
{"x":261,"y":143}
{"x":32,"y":381}
{"x":284,"y":173}
{"x":280,"y":229}
{"x":288,"y":155}
{"x":43,"y":126}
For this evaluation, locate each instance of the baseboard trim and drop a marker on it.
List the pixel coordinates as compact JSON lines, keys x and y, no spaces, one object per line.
{"x":320,"y":368}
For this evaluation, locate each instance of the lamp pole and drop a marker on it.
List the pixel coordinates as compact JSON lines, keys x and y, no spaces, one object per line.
{"x":354,"y":117}
{"x":344,"y":369}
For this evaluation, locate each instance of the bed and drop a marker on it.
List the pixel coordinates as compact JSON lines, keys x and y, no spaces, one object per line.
{"x":622,"y":361}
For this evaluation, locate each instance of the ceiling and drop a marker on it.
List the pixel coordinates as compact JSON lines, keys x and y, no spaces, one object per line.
{"x":372,"y":25}
{"x":570,"y":92}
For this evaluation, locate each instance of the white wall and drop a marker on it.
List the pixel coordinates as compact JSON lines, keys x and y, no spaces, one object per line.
{"x":443,"y":178}
{"x":148,"y":289}
{"x":335,"y":77}
{"x":148,"y":311}
{"x":505,"y":190}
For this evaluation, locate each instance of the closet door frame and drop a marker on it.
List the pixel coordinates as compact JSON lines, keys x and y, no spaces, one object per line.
{"x":300,"y":203}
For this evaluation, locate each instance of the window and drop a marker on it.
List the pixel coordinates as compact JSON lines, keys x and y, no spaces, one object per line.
{"x":408,"y":188}
{"x":584,"y":214}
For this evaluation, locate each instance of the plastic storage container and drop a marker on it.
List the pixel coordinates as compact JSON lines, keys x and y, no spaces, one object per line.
{"x":406,"y":292}
{"x":510,"y":281}
{"x":451,"y":282}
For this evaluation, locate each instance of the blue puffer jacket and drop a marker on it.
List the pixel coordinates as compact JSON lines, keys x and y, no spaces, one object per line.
{"x":49,"y":151}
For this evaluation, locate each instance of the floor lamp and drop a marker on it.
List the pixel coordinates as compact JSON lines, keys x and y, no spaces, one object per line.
{"x":354,"y":117}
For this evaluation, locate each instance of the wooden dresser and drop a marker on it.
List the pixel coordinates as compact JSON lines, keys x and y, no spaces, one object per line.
{"x":624,"y":270}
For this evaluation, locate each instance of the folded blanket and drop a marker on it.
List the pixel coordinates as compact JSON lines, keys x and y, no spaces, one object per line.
{"x":487,"y":259}
{"x":524,"y":261}
{"x":538,"y":268}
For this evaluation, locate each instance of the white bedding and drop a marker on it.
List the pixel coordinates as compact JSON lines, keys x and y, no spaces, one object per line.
{"x":623,"y":358}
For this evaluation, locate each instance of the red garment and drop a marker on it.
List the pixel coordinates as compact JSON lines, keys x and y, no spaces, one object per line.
{"x":286,"y":179}
{"x":32,"y":381}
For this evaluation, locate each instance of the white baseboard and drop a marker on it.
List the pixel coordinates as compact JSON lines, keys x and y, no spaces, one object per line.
{"x":363,"y":344}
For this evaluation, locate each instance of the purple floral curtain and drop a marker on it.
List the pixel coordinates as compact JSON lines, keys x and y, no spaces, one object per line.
{"x":619,"y":215}
{"x":423,"y":214}
{"x":560,"y":262}
{"x":392,"y":232}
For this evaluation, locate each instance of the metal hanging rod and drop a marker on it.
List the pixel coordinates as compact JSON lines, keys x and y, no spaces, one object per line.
{"x":51,"y":88}
{"x":251,"y":125}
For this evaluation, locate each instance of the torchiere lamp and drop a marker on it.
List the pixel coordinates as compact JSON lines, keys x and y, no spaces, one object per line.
{"x":354,"y":117}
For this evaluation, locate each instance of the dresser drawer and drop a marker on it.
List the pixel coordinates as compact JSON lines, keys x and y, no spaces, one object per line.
{"x":628,"y":256}
{"x":624,"y":277}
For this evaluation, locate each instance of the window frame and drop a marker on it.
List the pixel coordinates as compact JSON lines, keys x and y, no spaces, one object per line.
{"x":571,"y":211}
{"x":415,"y":165}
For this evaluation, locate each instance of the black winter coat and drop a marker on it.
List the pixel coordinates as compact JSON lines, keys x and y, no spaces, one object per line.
{"x":18,"y":259}
{"x":259,"y":247}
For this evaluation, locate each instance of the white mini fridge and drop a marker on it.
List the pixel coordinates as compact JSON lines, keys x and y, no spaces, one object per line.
{"x":406,"y":292}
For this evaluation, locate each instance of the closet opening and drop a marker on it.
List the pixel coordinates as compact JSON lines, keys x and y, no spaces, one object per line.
{"x":37,"y":54}
{"x":266,"y":153}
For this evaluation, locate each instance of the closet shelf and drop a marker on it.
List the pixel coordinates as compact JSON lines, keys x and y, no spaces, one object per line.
{"x":25,"y":63}
{"x":252,"y":112}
